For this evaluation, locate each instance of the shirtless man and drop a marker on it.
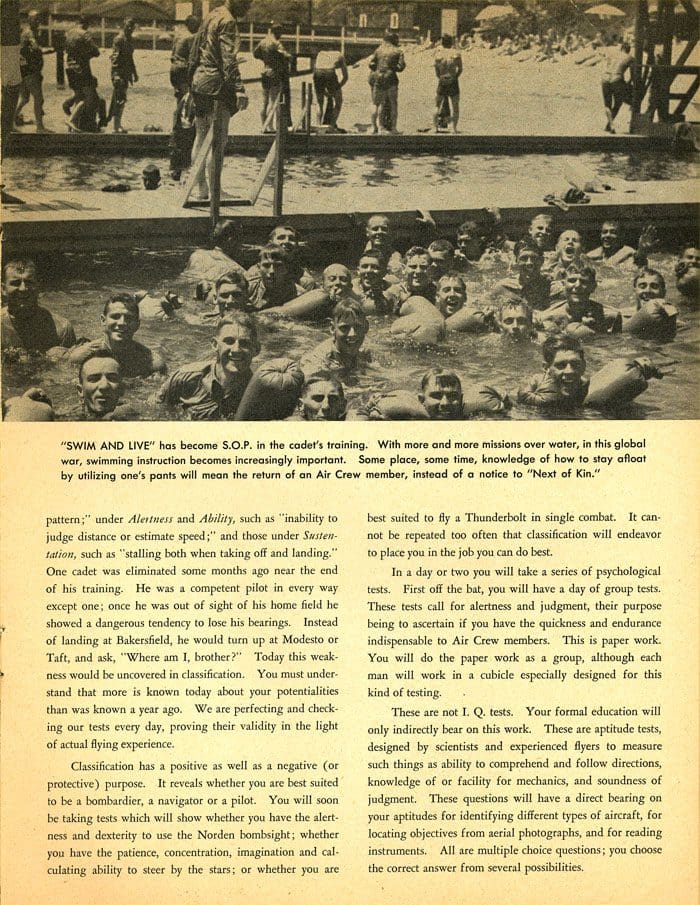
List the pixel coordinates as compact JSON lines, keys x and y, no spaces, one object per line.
{"x":613,"y":251}
{"x":615,"y":91}
{"x":385,"y":64}
{"x":123,"y":72}
{"x":120,"y":321}
{"x":26,"y":325}
{"x":275,"y":75}
{"x":448,"y":68}
{"x":328,"y":89}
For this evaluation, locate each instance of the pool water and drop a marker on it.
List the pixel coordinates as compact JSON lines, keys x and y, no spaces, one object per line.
{"x":383,"y":177}
{"x":78,"y":288}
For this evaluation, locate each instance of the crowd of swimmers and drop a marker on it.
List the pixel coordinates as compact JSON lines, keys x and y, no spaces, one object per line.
{"x":421,"y":295}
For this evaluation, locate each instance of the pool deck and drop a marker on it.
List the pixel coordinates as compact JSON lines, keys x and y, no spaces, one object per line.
{"x":92,"y":220}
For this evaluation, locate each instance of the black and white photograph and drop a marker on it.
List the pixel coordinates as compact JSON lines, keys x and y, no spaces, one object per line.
{"x":360,"y":211}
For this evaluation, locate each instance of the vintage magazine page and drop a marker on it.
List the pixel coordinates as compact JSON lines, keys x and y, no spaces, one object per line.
{"x":445,"y":649}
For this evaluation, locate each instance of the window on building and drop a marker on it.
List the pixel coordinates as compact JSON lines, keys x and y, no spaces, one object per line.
{"x":362,"y":23}
{"x":394,"y":20}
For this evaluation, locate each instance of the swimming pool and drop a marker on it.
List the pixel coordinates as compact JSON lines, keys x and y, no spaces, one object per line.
{"x":79,"y":285}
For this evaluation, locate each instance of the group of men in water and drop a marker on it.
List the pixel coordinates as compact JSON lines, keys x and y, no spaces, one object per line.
{"x":422,"y":294}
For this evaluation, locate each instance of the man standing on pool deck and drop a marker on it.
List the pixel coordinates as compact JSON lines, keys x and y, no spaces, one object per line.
{"x":123,"y":72}
{"x":275,"y":74}
{"x":329,"y":91}
{"x":448,"y":68}
{"x":386,"y":61}
{"x":31,"y":63}
{"x":217,"y":87}
{"x":80,"y":49}
{"x":617,"y":61}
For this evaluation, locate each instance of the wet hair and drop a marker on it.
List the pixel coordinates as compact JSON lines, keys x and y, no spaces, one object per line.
{"x":443,"y":377}
{"x":28,"y":264}
{"x":239,"y":319}
{"x":453,"y":275}
{"x":560,"y":342}
{"x":549,"y":217}
{"x":272,"y":249}
{"x":527,"y":245}
{"x":235,"y":277}
{"x":349,"y":308}
{"x":516,"y":302}
{"x":469,"y":226}
{"x":416,"y":251}
{"x":447,"y":40}
{"x":285,"y":226}
{"x":192,"y":23}
{"x":323,"y":377}
{"x":378,"y":217}
{"x":97,"y":353}
{"x":123,"y":298}
{"x":584,"y":267}
{"x":151,"y":170}
{"x":441,"y":245}
{"x":224,"y":231}
{"x":372,"y":254}
{"x":336,"y":264}
{"x":650,"y":272}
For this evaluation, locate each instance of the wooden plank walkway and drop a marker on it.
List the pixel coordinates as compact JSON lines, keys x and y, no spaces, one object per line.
{"x":149,"y":144}
{"x":90,"y":220}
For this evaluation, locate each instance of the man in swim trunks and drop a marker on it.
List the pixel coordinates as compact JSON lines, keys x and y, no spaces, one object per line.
{"x":123,"y":72}
{"x":120,"y":321}
{"x":31,"y":63}
{"x":275,"y":75}
{"x":26,"y":325}
{"x":448,"y":68}
{"x":80,"y":49}
{"x":211,"y":390}
{"x":615,"y":89}
{"x":328,"y":89}
{"x":385,"y":64}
